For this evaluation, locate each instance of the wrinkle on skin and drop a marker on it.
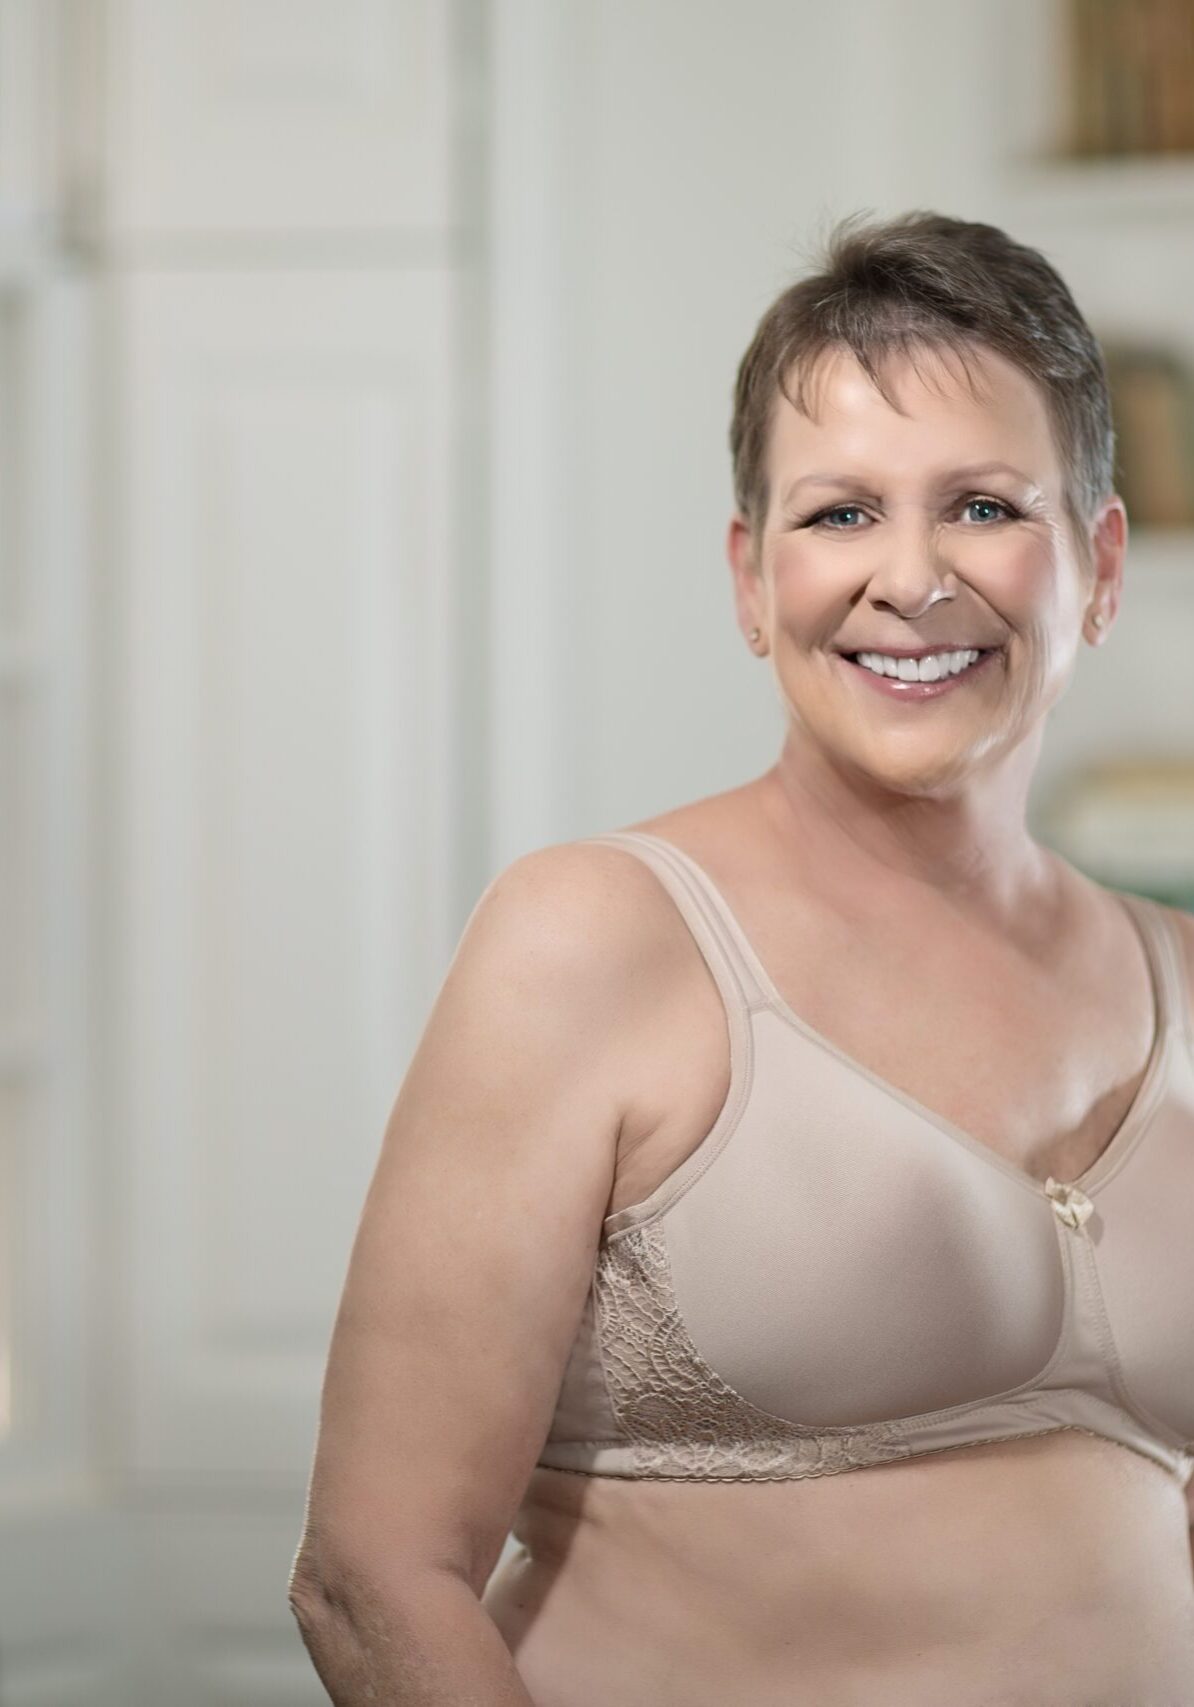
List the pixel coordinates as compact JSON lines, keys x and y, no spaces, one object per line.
{"x":932,"y":792}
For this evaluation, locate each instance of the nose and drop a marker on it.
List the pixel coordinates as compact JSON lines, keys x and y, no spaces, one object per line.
{"x":910,"y":574}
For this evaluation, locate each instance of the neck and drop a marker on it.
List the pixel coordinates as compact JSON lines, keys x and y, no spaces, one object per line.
{"x":855,"y":835}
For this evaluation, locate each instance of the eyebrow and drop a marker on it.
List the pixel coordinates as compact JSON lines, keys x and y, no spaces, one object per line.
{"x":968,"y":471}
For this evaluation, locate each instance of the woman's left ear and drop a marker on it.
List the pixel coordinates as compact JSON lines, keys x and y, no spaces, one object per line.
{"x":1108,"y":548}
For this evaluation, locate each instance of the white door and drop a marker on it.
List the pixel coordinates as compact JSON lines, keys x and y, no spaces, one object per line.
{"x":227,"y":830}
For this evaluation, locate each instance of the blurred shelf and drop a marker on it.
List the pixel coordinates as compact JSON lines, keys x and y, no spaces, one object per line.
{"x":1131,"y":189}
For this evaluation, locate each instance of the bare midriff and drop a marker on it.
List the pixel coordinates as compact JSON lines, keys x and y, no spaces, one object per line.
{"x":1052,"y":1571}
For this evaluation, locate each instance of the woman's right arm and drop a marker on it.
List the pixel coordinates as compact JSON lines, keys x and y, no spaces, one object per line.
{"x":466,"y":1284}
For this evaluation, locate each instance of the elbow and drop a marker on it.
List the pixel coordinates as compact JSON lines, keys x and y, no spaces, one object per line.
{"x":323,"y":1593}
{"x":305,"y":1595}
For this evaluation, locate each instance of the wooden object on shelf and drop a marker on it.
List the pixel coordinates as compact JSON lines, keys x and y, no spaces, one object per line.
{"x":1131,"y":77}
{"x":1152,"y":401}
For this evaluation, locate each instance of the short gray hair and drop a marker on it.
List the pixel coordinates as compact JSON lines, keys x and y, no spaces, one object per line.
{"x":924,"y":279}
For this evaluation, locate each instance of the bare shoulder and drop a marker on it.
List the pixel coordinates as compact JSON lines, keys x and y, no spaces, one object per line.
{"x":587,"y":925}
{"x":587,"y":902}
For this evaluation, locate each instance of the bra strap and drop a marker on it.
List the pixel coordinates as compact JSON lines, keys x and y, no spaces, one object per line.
{"x":1168,"y":961}
{"x":702,"y":911}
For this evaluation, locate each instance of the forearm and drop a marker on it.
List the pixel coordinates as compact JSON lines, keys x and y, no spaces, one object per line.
{"x":431,"y":1644}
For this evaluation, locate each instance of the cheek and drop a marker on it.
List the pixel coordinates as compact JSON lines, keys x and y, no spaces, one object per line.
{"x":1019,"y":575}
{"x":809,"y":584}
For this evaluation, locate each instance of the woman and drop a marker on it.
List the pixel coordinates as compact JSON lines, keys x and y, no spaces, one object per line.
{"x":784,"y":1224}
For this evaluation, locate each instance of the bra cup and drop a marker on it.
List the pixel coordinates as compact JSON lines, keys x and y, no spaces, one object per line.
{"x":1142,"y":1249}
{"x":843,"y":1261}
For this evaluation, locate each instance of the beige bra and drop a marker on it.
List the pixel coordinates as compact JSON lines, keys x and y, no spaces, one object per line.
{"x":837,"y":1276}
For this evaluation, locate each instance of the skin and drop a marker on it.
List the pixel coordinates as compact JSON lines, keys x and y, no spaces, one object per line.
{"x":1013,"y":1571}
{"x":895,"y":796}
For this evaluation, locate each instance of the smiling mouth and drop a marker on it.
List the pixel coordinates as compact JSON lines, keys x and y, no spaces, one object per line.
{"x":901,"y":677}
{"x":973,"y":655}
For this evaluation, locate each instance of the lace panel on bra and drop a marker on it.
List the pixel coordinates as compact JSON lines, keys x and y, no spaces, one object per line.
{"x":680,"y":1418}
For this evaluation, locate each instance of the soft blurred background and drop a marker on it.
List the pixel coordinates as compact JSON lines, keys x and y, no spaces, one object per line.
{"x":365,"y":371}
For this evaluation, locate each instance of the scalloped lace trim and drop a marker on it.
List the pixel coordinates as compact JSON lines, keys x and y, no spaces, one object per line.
{"x":680,"y":1418}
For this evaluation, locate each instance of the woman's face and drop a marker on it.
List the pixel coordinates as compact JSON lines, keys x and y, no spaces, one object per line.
{"x":938,"y":529}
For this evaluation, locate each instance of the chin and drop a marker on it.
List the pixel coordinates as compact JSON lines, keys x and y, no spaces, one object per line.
{"x":918,"y":776}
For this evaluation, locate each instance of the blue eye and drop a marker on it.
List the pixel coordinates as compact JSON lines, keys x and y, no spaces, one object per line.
{"x":993,"y":504}
{"x":837,"y":510}
{"x":1006,"y":512}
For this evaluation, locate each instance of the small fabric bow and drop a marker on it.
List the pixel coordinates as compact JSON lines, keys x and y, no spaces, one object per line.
{"x":1069,"y":1204}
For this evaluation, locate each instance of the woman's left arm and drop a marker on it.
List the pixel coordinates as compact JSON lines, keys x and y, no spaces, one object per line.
{"x":1185,"y":924}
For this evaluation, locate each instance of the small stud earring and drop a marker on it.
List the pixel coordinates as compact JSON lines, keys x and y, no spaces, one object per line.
{"x":1098,"y":619}
{"x":754,"y":635}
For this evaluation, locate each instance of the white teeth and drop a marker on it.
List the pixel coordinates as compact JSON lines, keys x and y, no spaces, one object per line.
{"x":930,"y":669}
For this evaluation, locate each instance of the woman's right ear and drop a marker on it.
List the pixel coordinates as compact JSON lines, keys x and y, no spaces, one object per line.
{"x":740,"y":546}
{"x":749,"y":592}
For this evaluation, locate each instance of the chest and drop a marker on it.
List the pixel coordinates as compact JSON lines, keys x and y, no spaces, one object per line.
{"x":1039,"y":1063}
{"x":1039,"y":1057}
